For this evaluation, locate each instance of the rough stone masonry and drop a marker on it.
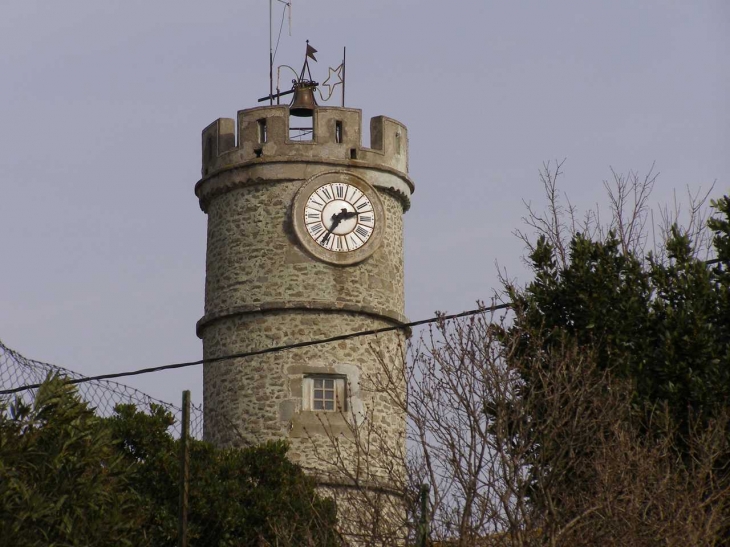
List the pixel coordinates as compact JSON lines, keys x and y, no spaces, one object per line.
{"x":264,"y":289}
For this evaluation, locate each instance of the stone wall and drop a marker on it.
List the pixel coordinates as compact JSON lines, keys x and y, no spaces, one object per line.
{"x":254,"y":260}
{"x":263,"y":290}
{"x":256,"y":399}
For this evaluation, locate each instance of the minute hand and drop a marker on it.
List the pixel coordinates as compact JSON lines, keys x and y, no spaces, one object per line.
{"x":336,"y":219}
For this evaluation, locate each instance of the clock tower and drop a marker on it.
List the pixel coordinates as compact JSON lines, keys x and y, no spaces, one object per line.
{"x":305,"y":242}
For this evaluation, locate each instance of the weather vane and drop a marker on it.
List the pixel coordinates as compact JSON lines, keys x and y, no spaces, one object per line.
{"x":303,"y":85}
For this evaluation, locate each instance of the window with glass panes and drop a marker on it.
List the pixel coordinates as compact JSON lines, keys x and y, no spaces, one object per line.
{"x":324,"y":393}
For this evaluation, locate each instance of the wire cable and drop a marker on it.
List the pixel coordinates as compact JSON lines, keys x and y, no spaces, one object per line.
{"x":285,"y":347}
{"x":273,"y":349}
{"x":281,"y":26}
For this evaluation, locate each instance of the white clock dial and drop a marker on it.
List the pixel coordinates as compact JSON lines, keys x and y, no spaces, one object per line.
{"x":339,"y":217}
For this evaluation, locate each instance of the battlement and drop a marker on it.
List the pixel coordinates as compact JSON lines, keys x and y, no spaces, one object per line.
{"x":263,"y":134}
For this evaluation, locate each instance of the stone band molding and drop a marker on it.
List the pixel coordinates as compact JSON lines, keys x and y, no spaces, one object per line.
{"x":371,"y":485}
{"x":259,"y":171}
{"x":390,"y":316}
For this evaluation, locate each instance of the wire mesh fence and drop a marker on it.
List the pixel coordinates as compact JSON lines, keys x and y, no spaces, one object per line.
{"x":186,"y":492}
{"x":102,"y":395}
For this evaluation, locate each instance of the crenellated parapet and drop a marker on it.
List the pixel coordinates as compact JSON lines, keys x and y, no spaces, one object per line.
{"x":261,"y":135}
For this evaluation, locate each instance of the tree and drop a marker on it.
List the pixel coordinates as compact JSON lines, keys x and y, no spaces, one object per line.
{"x":596,"y":413}
{"x":72,"y":478}
{"x":658,"y":323}
{"x":660,"y":319}
{"x":62,"y":481}
{"x":250,"y":496}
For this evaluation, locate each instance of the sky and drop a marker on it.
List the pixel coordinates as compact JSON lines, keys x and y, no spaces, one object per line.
{"x":102,"y":103}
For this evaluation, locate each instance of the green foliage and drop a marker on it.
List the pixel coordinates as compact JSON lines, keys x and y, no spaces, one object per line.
{"x":69,"y":478}
{"x":237,"y":496}
{"x":62,"y":482}
{"x":663,"y":325}
{"x":655,"y":331}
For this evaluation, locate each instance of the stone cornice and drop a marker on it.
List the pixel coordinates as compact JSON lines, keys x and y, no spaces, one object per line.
{"x":390,"y":316}
{"x":374,"y":484}
{"x":226,"y":178}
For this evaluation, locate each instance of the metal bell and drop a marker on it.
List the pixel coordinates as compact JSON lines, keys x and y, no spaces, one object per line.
{"x":303,"y":103}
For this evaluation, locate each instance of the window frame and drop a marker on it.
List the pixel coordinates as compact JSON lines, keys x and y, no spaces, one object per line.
{"x":339,"y":388}
{"x":263,"y":131}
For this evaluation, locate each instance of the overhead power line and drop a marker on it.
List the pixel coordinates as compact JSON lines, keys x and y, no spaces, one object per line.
{"x":285,"y":347}
{"x":265,"y":351}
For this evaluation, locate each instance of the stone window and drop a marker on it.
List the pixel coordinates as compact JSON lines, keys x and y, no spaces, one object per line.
{"x":324,"y":393}
{"x":263,"y":132}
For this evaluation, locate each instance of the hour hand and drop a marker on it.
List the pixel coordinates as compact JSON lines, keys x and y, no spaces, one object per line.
{"x":348,"y":214}
{"x":336,"y":219}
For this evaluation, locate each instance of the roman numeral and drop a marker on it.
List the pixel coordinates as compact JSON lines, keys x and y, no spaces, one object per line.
{"x":356,"y":194}
{"x":362,"y":232}
{"x":363,"y":205}
{"x":366,"y":218}
{"x":340,"y":191}
{"x":317,"y":228}
{"x":326,"y":192}
{"x":313,"y":216}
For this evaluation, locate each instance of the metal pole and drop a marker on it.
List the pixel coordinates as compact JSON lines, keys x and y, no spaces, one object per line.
{"x":423,"y":524}
{"x":271,"y":57}
{"x":184,"y":471}
{"x":344,"y":61}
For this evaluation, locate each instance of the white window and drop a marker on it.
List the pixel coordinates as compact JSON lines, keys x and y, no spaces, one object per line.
{"x":324,"y":393}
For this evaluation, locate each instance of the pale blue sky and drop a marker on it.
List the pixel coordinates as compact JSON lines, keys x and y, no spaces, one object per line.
{"x":102,"y":103}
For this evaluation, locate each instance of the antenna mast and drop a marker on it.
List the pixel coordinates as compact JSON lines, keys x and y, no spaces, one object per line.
{"x":271,"y":57}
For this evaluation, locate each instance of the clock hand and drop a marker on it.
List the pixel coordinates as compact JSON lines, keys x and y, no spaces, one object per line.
{"x":336,"y":222}
{"x":336,"y":219}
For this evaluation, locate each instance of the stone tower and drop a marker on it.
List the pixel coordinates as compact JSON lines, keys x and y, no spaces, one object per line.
{"x":305,"y":242}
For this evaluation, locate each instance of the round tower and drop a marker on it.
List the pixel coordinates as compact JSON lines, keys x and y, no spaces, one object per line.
{"x":305,"y":242}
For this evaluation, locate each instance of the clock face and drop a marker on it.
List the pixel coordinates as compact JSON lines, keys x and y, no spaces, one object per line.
{"x":339,"y":217}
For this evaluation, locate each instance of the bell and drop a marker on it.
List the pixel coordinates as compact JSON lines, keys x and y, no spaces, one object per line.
{"x":303,"y":103}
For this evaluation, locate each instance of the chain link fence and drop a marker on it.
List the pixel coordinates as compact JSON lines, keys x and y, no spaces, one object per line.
{"x":191,"y":497}
{"x":102,"y":395}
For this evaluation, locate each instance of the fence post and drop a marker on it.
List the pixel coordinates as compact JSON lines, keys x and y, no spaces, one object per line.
{"x":182,"y":532}
{"x":423,"y":524}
